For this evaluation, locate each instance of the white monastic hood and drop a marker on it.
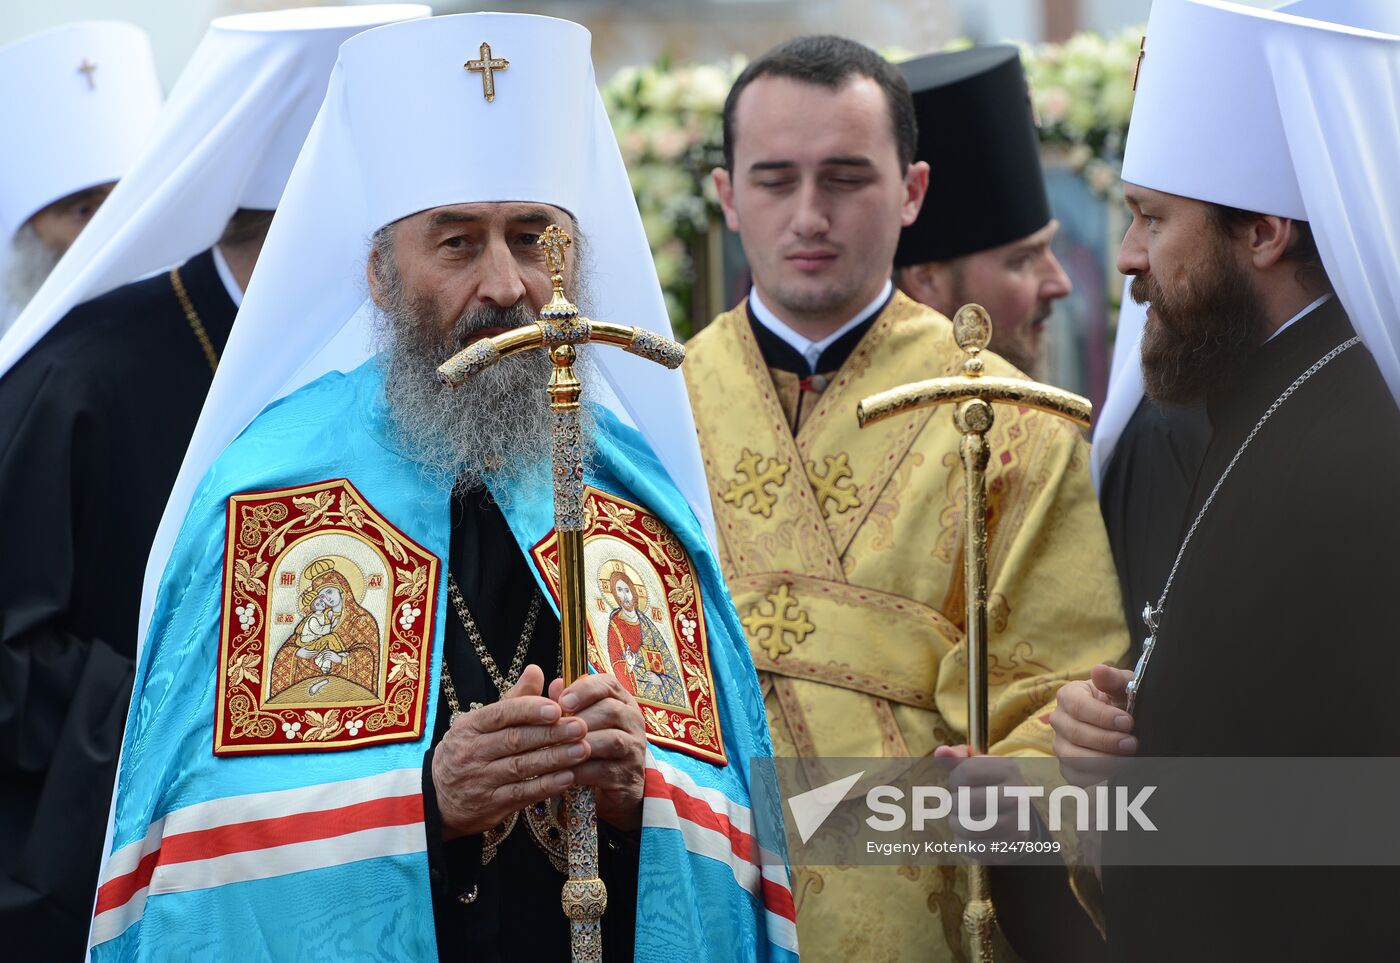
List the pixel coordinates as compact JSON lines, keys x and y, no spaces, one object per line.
{"x":79,"y":104}
{"x":228,"y":137}
{"x":405,"y":128}
{"x":1276,"y":112}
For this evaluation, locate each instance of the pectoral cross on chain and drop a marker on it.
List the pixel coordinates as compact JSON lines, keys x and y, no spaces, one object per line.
{"x":86,"y":68}
{"x":487,"y":67}
{"x":1149,"y":618}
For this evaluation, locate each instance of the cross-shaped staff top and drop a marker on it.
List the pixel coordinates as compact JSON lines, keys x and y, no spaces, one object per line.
{"x":86,"y":68}
{"x":487,"y":67}
{"x":555,"y":241}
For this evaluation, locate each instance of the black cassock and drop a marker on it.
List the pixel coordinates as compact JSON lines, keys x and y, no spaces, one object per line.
{"x":1278,"y":639}
{"x":1143,"y":496}
{"x":94,"y":422}
{"x":514,"y":911}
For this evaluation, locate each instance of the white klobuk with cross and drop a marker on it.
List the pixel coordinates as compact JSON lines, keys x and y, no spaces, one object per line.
{"x":82,"y":101}
{"x":401,"y":132}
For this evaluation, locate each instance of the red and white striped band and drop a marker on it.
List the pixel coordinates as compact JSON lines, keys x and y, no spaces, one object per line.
{"x":716,"y":826}
{"x":258,"y":836}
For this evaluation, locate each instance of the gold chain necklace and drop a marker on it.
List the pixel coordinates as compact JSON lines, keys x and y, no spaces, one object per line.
{"x":517,"y":664}
{"x":196,"y":325}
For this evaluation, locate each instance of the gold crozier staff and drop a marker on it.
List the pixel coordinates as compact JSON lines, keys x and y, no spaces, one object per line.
{"x":558,"y":330}
{"x":974,"y":394}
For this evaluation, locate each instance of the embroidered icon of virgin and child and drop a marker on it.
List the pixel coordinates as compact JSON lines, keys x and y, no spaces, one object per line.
{"x":332,"y":653}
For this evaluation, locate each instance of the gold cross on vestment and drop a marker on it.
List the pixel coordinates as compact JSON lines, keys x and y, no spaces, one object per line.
{"x":487,"y":67}
{"x":86,"y":68}
{"x":1137,"y":67}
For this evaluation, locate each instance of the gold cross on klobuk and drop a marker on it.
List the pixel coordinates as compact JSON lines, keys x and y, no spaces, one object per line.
{"x":487,"y":67}
{"x":86,"y":68}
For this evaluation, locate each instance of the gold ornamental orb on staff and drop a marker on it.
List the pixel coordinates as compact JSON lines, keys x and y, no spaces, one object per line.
{"x":974,"y":394}
{"x":559,"y":329}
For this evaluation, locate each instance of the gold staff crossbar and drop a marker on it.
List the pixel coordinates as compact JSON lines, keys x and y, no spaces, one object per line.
{"x":543,"y":334}
{"x":558,"y":330}
{"x":942,"y":391}
{"x":974,"y":394}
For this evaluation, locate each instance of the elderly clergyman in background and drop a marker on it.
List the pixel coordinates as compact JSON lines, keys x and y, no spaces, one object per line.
{"x":400,"y":735}
{"x":77,"y":104}
{"x":97,"y":403}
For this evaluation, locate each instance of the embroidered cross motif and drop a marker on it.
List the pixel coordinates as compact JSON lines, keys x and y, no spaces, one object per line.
{"x":487,"y":67}
{"x":828,"y":487}
{"x":754,"y":482}
{"x":771,"y":629}
{"x":86,"y":68}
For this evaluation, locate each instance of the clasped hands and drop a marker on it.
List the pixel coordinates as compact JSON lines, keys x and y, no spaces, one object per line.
{"x":530,"y":747}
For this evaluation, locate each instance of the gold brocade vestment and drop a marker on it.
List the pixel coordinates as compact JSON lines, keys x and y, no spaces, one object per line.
{"x":842,"y":549}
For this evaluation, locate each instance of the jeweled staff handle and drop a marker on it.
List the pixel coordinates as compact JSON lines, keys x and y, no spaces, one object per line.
{"x":973,"y":393}
{"x":558,"y":330}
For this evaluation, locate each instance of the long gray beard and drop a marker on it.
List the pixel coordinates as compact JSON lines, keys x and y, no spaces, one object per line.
{"x":494,"y":428}
{"x":30,"y":264}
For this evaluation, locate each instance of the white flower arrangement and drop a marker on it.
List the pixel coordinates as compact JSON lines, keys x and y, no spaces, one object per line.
{"x":668,"y":119}
{"x":1083,"y":94}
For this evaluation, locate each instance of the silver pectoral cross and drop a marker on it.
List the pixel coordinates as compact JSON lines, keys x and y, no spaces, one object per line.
{"x":1149,"y":618}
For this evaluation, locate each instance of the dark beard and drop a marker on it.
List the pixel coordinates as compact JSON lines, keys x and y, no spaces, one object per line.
{"x":1199,"y":336}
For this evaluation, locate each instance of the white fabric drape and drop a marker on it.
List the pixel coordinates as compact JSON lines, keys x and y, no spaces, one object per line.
{"x":1124,"y":383}
{"x":1335,"y":71}
{"x":404,"y":129}
{"x":1339,"y":90}
{"x":227,"y":138}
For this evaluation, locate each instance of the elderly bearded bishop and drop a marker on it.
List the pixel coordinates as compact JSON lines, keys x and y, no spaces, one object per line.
{"x":347,"y":738}
{"x":101,"y":380}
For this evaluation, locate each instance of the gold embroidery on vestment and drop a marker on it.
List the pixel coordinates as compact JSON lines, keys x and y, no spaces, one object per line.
{"x":772,"y":628}
{"x":827,"y":487}
{"x":753,"y":482}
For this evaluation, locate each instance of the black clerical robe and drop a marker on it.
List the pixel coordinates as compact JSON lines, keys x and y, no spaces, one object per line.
{"x":1277,"y":640}
{"x":512,"y":907}
{"x":1146,"y":486}
{"x":94,"y":422}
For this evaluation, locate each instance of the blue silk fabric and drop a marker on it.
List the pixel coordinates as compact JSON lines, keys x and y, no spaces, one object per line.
{"x":690,"y":906}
